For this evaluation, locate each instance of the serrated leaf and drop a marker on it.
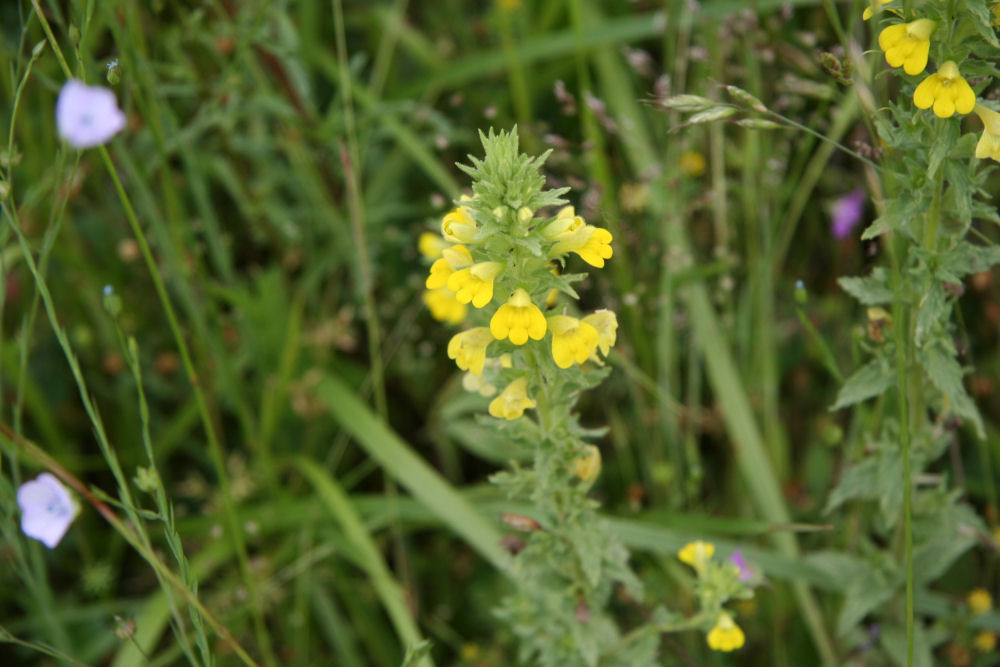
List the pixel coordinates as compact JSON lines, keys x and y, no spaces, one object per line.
{"x":983,"y":20}
{"x":944,"y":371}
{"x":931,"y":310}
{"x":856,"y":482}
{"x":940,"y":148}
{"x":870,"y":291}
{"x":867,"y":382}
{"x":864,"y":595}
{"x":893,"y":640}
{"x":882,"y":224}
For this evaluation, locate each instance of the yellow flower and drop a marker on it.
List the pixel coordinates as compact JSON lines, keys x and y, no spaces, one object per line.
{"x":572,"y":340}
{"x":906,"y":45}
{"x":592,"y":244}
{"x":989,"y":142}
{"x":430,"y":245}
{"x":696,"y":554}
{"x":565,"y":223}
{"x":518,"y":319}
{"x":979,"y":601}
{"x":947,"y":91}
{"x":726,"y":635}
{"x":477,"y":384}
{"x":475,"y":283}
{"x":444,"y":306}
{"x":588,"y":466}
{"x":985,"y":641}
{"x":458,"y":226}
{"x":607,"y":328}
{"x":691,"y":163}
{"x":468,"y":349}
{"x":867,"y":14}
{"x":451,"y":260}
{"x":512,"y":401}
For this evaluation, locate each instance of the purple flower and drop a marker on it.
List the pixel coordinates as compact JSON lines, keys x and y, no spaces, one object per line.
{"x":87,"y":116}
{"x":47,"y":509}
{"x":737,"y":559}
{"x":847,"y":212}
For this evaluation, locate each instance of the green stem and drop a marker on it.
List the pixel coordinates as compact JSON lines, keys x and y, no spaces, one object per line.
{"x":904,"y":352}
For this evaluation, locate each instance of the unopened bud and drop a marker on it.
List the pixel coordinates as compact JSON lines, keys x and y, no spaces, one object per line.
{"x":524,"y":215}
{"x":114,"y":73}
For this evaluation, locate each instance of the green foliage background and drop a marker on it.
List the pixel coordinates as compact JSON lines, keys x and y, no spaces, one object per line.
{"x":282,"y":159}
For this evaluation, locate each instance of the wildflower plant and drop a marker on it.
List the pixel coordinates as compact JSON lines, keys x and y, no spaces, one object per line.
{"x":527,"y":347}
{"x":932,"y":174}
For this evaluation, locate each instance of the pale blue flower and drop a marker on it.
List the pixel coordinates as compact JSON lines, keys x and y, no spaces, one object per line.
{"x":47,"y":509}
{"x":87,"y":116}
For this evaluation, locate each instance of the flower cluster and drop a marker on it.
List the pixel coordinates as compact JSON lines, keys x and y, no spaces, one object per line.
{"x":504,"y":261}
{"x":719,"y":582}
{"x":946,"y":91}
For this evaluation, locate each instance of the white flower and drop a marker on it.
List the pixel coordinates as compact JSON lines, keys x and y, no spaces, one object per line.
{"x":47,"y":509}
{"x":87,"y":116}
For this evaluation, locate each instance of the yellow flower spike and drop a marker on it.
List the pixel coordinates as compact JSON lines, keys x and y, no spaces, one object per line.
{"x":606,"y":324}
{"x":867,"y":14}
{"x":726,"y":635}
{"x":430,"y":245}
{"x":572,"y":340}
{"x":989,"y":142}
{"x":696,"y":554}
{"x":468,"y":349}
{"x":444,"y":306}
{"x":979,"y":601}
{"x":475,"y":283}
{"x":592,"y":244}
{"x":458,"y":226}
{"x":512,"y":401}
{"x":518,"y":319}
{"x":907,"y":45}
{"x":588,"y":466}
{"x":947,"y":91}
{"x":451,"y":260}
{"x":984,"y":641}
{"x":566,"y":223}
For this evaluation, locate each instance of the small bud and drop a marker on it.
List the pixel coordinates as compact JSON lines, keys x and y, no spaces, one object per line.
{"x":878,"y":320}
{"x":114,"y":73}
{"x":801,"y":295}
{"x":147,"y":479}
{"x":37,"y":49}
{"x":498,"y":212}
{"x":74,"y":34}
{"x":524,"y":215}
{"x":4,"y":189}
{"x":112,"y":302}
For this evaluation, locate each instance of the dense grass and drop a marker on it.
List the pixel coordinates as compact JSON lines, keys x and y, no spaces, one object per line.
{"x":326,"y":474}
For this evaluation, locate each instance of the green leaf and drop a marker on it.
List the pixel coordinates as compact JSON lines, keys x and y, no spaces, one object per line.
{"x":857,"y":481}
{"x":871,"y":291}
{"x":864,"y":595}
{"x":931,"y":311}
{"x":893,"y":640}
{"x":982,"y":18}
{"x":411,"y":471}
{"x":867,"y":382}
{"x":938,"y":360}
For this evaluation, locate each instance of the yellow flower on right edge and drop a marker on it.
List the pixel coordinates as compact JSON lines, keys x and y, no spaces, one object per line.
{"x":946,"y":91}
{"x":989,"y":142}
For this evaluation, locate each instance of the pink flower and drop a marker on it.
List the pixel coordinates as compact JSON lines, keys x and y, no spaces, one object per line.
{"x":47,"y":509}
{"x":737,"y":559}
{"x":847,"y":212}
{"x":87,"y":116}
